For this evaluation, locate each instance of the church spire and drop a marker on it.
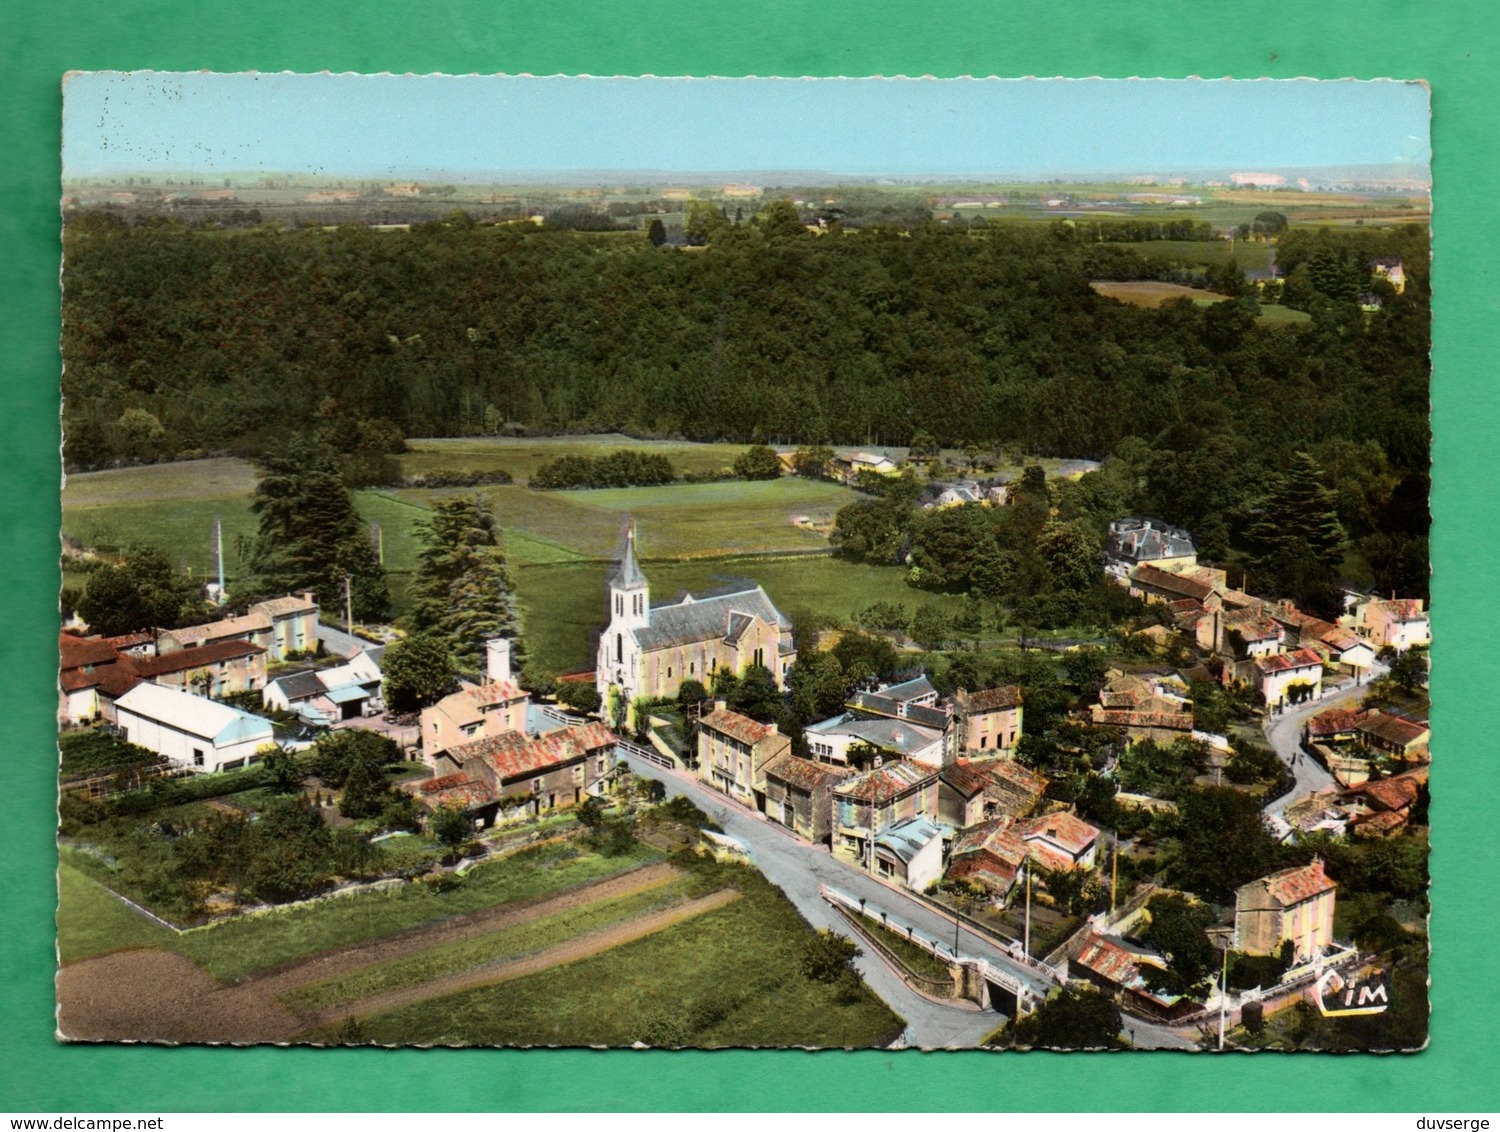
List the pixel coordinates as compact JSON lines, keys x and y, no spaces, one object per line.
{"x":628,"y":574}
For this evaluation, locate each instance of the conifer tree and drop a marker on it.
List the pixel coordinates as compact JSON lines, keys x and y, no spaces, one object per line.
{"x":1298,"y":541}
{"x":310,"y":536}
{"x":462,"y":590}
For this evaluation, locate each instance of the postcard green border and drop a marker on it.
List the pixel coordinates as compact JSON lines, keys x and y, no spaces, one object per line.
{"x":1450,"y":44}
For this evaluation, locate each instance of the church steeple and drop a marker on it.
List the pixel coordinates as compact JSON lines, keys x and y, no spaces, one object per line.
{"x":629,"y":593}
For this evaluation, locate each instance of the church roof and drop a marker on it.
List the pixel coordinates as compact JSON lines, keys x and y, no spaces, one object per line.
{"x":627,"y":571}
{"x":701,"y":619}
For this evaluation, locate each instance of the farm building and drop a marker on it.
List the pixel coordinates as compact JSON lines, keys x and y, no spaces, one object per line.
{"x":190,"y":730}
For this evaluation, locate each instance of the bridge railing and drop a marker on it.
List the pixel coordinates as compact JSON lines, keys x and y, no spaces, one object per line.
{"x":645,"y":754}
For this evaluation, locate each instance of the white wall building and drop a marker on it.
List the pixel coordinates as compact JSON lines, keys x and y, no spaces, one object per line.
{"x":190,"y":730}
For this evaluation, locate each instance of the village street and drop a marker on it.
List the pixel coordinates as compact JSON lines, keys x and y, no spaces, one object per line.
{"x":1284,"y":733}
{"x":798,"y":868}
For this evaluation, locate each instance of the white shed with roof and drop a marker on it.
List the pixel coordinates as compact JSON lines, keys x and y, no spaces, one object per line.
{"x":190,"y":730}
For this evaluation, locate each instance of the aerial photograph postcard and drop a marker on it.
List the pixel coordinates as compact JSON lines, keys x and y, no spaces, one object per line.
{"x":690,"y":563}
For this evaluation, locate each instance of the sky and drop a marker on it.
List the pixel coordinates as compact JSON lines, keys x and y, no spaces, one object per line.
{"x":483,"y":126}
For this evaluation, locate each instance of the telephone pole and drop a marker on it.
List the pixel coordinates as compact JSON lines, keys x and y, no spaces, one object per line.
{"x":348,"y":606}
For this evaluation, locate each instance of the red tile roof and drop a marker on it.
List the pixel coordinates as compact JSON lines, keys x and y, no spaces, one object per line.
{"x":994,"y":699}
{"x":1015,"y":776}
{"x":75,"y":652}
{"x":806,"y":774}
{"x":464,"y":793}
{"x":1063,"y":828}
{"x":184,"y":659}
{"x":1158,"y":720}
{"x":1293,"y":886}
{"x":1287,"y":661}
{"x":514,"y":756}
{"x":1173,"y":583}
{"x":1394,"y":729}
{"x":1108,"y":960}
{"x":1392,"y":793}
{"x":886,"y":782}
{"x":737,"y":726}
{"x":1402,"y":609}
{"x":996,"y":837}
{"x":1334,"y":720}
{"x":964,"y":777}
{"x":981,"y":868}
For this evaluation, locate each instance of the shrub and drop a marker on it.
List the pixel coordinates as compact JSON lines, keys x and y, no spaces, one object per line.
{"x":828,"y":956}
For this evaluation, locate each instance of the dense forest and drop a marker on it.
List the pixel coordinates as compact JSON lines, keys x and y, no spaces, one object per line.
{"x":180,"y":339}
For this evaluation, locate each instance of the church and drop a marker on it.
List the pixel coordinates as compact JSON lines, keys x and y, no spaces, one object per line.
{"x":649,"y":650}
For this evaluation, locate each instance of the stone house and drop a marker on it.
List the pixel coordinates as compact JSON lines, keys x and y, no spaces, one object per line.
{"x":734,"y":752}
{"x":799,"y":795}
{"x":1293,"y":904}
{"x":868,"y":803}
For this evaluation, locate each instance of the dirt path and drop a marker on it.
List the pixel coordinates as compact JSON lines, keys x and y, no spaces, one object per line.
{"x":154,"y":995}
{"x":570,"y":951}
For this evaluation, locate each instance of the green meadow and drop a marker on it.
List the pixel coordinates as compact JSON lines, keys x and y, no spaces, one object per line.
{"x":694,"y":537}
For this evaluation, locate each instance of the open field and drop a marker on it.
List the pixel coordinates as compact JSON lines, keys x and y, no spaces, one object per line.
{"x":1151,"y":294}
{"x":235,"y":948}
{"x":521,"y":456}
{"x":562,"y":606}
{"x":689,"y":984}
{"x":182,"y":479}
{"x":652,"y":953}
{"x":1250,"y":255}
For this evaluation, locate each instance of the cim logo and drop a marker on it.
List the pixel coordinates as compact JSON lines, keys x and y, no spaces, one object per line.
{"x":1339,"y":997}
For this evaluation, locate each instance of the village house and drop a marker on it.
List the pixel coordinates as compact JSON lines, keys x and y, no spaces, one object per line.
{"x":541,"y":772}
{"x":329,"y":695}
{"x":868,"y":803}
{"x":1293,"y":904}
{"x":189,"y":730}
{"x":832,"y":740}
{"x":1336,"y":644}
{"x":1136,"y":541}
{"x":1060,"y":842}
{"x":1398,"y":624}
{"x":1394,"y":735}
{"x":910,"y":852}
{"x":849,"y":468}
{"x":988,"y":721}
{"x":1116,"y":970}
{"x":1144,"y":708}
{"x":1011,"y":789}
{"x":799,"y":795}
{"x":992,"y":856}
{"x":1152,"y":584}
{"x":734,"y":752}
{"x":94,"y":672}
{"x":961,"y":794}
{"x":1390,"y":269}
{"x":281,"y":626}
{"x":1273,"y":676}
{"x":1385,"y":805}
{"x":493,"y":708}
{"x":649,"y":650}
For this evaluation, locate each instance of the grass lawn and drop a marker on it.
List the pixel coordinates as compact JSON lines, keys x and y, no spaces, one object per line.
{"x":183,"y":528}
{"x":692,"y":984}
{"x":91,"y":921}
{"x":509,"y":943}
{"x":562,"y":606}
{"x":1277,"y":315}
{"x":183,"y":479}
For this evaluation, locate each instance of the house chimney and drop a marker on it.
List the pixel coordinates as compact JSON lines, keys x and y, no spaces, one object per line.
{"x":496,"y":660}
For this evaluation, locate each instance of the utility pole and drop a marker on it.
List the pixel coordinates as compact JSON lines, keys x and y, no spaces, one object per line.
{"x":1114,"y":870}
{"x":348,"y":606}
{"x":219,"y":553}
{"x":1026,"y":934}
{"x":1223,"y":992}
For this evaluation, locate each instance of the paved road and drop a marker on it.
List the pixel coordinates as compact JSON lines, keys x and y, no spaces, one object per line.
{"x":798,"y":868}
{"x":1284,"y":732}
